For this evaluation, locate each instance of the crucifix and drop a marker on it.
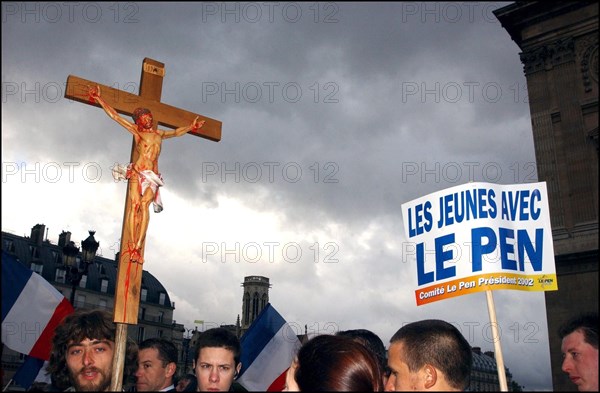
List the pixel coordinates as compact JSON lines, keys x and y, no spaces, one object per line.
{"x":143,"y":177}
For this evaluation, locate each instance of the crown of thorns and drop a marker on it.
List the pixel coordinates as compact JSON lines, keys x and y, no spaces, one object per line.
{"x":139,"y":112}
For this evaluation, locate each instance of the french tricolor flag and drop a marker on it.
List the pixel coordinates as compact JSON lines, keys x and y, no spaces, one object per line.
{"x":268,"y":348}
{"x":31,"y":309}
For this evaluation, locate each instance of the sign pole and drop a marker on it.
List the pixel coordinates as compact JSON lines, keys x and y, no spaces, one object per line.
{"x":496,"y":338}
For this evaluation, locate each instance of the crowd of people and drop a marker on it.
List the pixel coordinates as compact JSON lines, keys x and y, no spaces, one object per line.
{"x":424,"y":355}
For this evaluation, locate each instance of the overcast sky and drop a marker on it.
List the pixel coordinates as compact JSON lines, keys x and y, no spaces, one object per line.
{"x":334,"y":115}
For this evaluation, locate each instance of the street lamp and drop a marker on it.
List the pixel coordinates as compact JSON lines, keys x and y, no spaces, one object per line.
{"x":89,"y":246}
{"x":75,"y":270}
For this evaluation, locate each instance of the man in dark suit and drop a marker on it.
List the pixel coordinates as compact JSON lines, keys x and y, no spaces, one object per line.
{"x":157,"y":364}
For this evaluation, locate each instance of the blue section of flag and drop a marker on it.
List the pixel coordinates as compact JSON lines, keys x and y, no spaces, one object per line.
{"x":259,"y":334}
{"x":14,"y":279}
{"x":27,"y":373}
{"x":268,"y":348}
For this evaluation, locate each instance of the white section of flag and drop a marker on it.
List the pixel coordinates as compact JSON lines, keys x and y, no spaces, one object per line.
{"x":273,"y":360}
{"x":30,"y":314}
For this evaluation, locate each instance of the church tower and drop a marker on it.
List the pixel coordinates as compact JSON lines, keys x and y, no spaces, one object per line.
{"x":254,"y":299}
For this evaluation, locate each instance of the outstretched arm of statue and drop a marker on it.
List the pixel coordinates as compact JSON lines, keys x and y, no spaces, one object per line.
{"x":195,"y":126}
{"x":94,"y":93}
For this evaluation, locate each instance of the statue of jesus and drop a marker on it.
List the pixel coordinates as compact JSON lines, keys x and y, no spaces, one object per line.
{"x":144,"y":177}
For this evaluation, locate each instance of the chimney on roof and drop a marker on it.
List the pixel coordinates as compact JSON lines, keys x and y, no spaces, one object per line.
{"x":37,"y":234}
{"x":477,"y":350}
{"x":64,"y":238}
{"x":490,"y":354}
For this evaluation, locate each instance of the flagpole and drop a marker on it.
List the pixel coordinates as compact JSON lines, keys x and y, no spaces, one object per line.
{"x":7,"y":385}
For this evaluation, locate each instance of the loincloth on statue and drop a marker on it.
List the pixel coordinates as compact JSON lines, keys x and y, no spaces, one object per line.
{"x":146,"y":178}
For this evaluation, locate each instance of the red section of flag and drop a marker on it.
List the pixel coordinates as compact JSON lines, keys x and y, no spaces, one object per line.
{"x":43,"y":345}
{"x":279,"y":383}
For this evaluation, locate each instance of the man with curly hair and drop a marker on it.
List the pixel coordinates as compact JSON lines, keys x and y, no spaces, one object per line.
{"x":82,"y":352}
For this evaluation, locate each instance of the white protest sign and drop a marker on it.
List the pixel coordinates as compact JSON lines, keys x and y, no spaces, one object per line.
{"x":480,"y":236}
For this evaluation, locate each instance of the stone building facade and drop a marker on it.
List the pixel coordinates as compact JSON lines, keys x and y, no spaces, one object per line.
{"x":484,"y":373}
{"x":559,"y":43}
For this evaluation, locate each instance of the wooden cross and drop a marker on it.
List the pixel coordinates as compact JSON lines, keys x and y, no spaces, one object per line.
{"x":129,"y":276}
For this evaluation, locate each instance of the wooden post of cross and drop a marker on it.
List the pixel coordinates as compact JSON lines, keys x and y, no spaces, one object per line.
{"x":129,"y":276}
